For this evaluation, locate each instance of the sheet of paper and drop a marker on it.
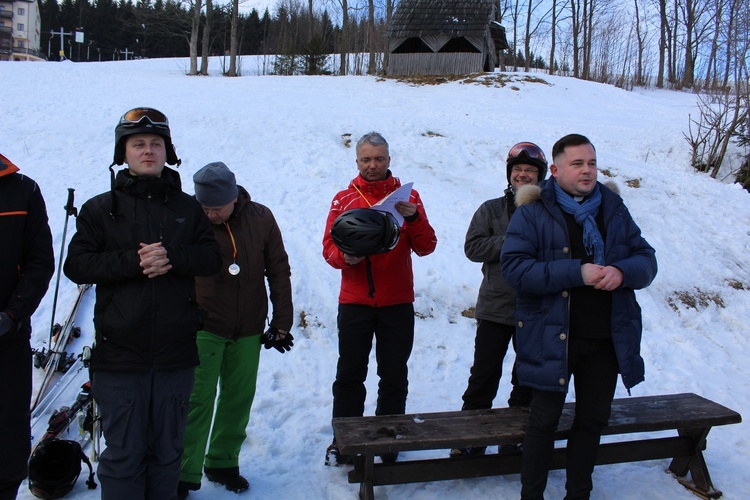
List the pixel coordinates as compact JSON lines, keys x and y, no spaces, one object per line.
{"x":388,"y":204}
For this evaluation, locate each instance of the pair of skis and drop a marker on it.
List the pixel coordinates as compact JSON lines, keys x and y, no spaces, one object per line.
{"x":56,"y":359}
{"x":64,"y":369}
{"x":63,"y":407}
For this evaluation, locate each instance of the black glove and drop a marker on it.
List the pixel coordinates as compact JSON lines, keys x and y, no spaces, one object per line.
{"x":282,"y":342}
{"x":7,"y":323}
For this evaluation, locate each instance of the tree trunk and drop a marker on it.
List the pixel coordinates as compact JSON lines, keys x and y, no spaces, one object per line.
{"x":514,"y":48}
{"x":576,"y":28}
{"x":194,"y":28}
{"x":688,"y":75}
{"x":207,"y":37}
{"x":234,"y":39}
{"x":639,"y":49}
{"x":386,"y":48}
{"x":552,"y":38}
{"x":527,"y":38}
{"x":731,"y":29}
{"x":711,"y":65}
{"x":344,"y":36}
{"x":372,"y":62}
{"x":662,"y":42}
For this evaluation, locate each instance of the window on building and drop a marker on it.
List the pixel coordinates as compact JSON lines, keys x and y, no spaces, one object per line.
{"x":21,"y":27}
{"x":21,"y":44}
{"x":21,"y":11}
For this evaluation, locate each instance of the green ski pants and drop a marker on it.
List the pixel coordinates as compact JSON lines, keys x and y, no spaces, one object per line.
{"x":233,"y":367}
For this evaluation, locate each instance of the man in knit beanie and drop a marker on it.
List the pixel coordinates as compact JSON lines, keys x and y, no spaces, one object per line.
{"x":236,"y":306}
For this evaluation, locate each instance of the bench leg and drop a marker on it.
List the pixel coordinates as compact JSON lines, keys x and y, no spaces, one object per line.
{"x":366,"y":487}
{"x":695,"y":464}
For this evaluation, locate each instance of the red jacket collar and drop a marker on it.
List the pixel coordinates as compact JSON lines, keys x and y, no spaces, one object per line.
{"x":377,"y":190}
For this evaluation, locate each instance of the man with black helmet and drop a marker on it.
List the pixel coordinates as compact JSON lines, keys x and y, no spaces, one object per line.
{"x":142,"y":243}
{"x":377,"y":292}
{"x":26,"y":265}
{"x":496,"y":303}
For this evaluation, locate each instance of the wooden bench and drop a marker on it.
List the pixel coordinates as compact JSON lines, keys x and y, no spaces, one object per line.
{"x":692,"y":416}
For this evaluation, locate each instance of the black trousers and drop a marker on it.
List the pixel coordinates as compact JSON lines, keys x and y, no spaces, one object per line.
{"x":593,"y":364}
{"x":490,"y":347}
{"x":393,"y":328}
{"x":144,"y":416}
{"x":15,"y":388}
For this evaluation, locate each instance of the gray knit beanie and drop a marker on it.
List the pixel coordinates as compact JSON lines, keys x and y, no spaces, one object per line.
{"x":215,"y":185}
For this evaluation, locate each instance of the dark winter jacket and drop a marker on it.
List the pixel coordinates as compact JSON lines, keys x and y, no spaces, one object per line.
{"x":237,"y":306}
{"x":27,"y":260}
{"x":536,"y":261}
{"x":391,"y":272}
{"x":484,"y":240}
{"x":143,"y":323}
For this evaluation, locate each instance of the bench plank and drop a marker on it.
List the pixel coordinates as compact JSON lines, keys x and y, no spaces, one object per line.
{"x":692,"y":416}
{"x":445,"y":430}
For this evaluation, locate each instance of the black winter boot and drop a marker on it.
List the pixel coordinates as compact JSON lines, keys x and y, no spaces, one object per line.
{"x":184,"y":488}
{"x":230,"y":477}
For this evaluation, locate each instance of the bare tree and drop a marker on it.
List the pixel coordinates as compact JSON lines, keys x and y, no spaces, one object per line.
{"x":311,"y":21}
{"x":575,"y":19}
{"x":234,"y":43}
{"x":697,"y":24}
{"x":386,"y":48}
{"x":640,"y":47}
{"x":552,"y":38}
{"x":721,"y":118}
{"x":663,"y":41}
{"x":533,"y":24}
{"x":196,"y":7}
{"x":731,"y":34}
{"x":515,"y":12}
{"x":206,"y":41}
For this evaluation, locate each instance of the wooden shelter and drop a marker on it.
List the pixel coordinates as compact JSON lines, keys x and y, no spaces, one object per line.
{"x":444,"y":37}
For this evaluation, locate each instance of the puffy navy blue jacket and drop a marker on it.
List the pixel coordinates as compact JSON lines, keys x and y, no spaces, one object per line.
{"x":536,"y":261}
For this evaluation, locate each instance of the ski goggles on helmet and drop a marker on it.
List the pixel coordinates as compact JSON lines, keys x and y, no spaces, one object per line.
{"x":136,"y":116}
{"x":526,"y":149}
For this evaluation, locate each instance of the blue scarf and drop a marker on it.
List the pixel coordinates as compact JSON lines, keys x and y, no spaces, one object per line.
{"x":584,"y":213}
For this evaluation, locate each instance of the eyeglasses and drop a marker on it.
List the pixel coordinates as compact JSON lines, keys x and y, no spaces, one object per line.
{"x":527,"y":149}
{"x":136,"y":116}
{"x":530,"y":171}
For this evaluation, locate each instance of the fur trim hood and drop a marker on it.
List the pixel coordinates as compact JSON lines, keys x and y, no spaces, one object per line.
{"x":530,"y":193}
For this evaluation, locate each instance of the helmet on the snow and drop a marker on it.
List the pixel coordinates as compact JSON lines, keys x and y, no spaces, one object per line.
{"x":54,"y":468}
{"x":143,"y":121}
{"x":362,"y":232}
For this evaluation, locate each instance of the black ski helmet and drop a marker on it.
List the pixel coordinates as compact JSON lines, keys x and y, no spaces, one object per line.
{"x":362,"y":232}
{"x":528,"y":153}
{"x":143,"y":121}
{"x":54,"y":468}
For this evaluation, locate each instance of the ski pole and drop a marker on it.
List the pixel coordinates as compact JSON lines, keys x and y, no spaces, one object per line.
{"x":70,"y":209}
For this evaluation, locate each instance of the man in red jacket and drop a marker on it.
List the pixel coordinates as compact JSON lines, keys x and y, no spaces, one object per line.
{"x":378,"y":300}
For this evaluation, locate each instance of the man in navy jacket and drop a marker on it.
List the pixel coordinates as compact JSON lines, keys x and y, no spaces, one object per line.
{"x":575,"y":257}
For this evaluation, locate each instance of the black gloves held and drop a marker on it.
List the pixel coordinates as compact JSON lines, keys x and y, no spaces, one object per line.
{"x":7,"y":323}
{"x":282,"y":342}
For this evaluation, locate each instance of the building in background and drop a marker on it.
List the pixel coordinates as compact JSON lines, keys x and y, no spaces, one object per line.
{"x":444,"y":37}
{"x":20,"y":30}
